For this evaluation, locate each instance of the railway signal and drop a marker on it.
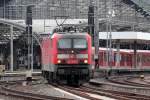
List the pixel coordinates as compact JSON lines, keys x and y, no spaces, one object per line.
{"x":94,"y":28}
{"x":29,"y":34}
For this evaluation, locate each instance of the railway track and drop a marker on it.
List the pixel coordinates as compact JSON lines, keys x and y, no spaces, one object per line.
{"x":122,"y":88}
{"x":127,"y":81}
{"x":76,"y":91}
{"x":29,"y":96}
{"x":83,"y":91}
{"x":115,"y":94}
{"x":6,"y":89}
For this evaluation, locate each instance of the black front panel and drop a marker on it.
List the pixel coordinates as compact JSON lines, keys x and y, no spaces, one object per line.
{"x":73,"y":71}
{"x":82,"y":72}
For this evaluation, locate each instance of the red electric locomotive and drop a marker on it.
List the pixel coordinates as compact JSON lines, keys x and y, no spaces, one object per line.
{"x":67,"y":58}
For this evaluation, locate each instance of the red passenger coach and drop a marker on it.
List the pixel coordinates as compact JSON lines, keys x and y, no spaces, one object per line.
{"x":67,"y":58}
{"x":126,"y":59}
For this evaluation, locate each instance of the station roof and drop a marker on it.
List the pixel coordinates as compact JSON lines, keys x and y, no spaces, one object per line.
{"x":130,"y":37}
{"x":5,"y":30}
{"x":18,"y":30}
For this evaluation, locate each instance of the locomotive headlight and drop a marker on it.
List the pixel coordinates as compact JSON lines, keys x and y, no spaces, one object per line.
{"x":85,"y":61}
{"x":58,"y":61}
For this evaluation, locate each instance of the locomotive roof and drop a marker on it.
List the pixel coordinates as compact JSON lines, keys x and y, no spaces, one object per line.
{"x":70,"y":35}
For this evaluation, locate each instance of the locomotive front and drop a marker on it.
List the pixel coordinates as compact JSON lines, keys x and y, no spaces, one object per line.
{"x":74,"y":58}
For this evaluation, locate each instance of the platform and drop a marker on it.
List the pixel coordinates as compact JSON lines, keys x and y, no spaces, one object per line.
{"x":35,"y":72}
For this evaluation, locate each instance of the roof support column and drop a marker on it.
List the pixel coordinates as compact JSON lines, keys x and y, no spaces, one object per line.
{"x":96,"y":35}
{"x":110,"y":45}
{"x":135,"y":54}
{"x":11,"y":48}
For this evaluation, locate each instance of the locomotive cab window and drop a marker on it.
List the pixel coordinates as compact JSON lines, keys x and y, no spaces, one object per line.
{"x":79,"y":43}
{"x":64,"y":43}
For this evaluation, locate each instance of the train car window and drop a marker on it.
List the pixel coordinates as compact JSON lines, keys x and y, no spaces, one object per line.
{"x":148,"y":59}
{"x":64,"y":43}
{"x":138,"y":58}
{"x":143,"y":59}
{"x":100,"y":54}
{"x":116,"y":57}
{"x":122,"y":57}
{"x":105,"y":56}
{"x":80,"y":43}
